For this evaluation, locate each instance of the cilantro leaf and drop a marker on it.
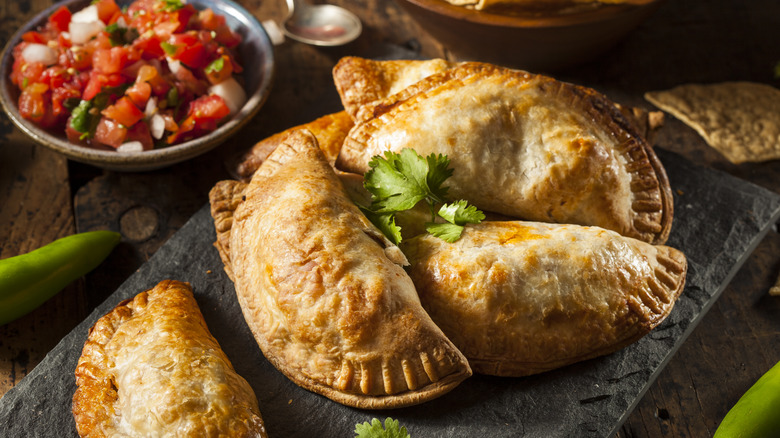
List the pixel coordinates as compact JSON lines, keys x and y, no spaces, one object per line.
{"x":81,"y":118}
{"x":399,"y":181}
{"x":394,"y":184}
{"x":216,"y":65}
{"x":375,"y":430}
{"x":461,"y":213}
{"x":168,"y":48}
{"x":385,"y":222}
{"x":447,"y":232}
{"x":439,"y":171}
{"x":172,"y":5}
{"x":119,"y":36}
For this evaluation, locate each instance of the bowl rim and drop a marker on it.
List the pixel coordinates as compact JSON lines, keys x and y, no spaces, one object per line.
{"x":155,"y":158}
{"x":606,"y":11}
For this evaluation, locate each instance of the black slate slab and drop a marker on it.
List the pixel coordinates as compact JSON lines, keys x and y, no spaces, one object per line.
{"x":718,"y":222}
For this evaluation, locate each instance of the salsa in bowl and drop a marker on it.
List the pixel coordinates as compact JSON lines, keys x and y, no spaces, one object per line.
{"x":136,"y":86}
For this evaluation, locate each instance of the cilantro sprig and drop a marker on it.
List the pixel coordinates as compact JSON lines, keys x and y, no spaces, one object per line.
{"x":398,"y":182}
{"x":375,"y":430}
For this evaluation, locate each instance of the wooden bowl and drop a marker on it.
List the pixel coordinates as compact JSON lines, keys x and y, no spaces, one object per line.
{"x":255,"y":53}
{"x":537,"y":42}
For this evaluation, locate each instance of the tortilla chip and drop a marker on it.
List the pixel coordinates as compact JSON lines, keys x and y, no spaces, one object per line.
{"x":739,"y":119}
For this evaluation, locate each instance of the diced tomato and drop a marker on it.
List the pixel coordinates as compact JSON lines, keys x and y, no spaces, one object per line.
{"x":149,"y":73}
{"x":31,"y":73}
{"x":140,"y":132}
{"x":106,"y":9}
{"x":209,"y":108}
{"x":111,"y":60}
{"x":33,"y":37}
{"x":189,"y":84}
{"x":214,"y":22}
{"x":124,"y":111}
{"x":110,"y":133}
{"x":189,"y":50}
{"x":59,"y":96}
{"x":97,"y":81}
{"x":77,"y":59}
{"x":149,"y":46}
{"x":209,"y":20}
{"x":203,"y":116}
{"x":139,"y":93}
{"x":183,"y":17}
{"x":54,"y":76}
{"x":63,"y":40}
{"x":60,"y":19}
{"x":35,"y":105}
{"x":101,"y":41}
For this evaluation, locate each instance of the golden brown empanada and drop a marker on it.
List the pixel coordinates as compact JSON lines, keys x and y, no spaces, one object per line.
{"x":330,"y":131}
{"x":151,"y":368}
{"x":520,"y":298}
{"x":322,"y":289}
{"x":526,"y":146}
{"x":361,"y":81}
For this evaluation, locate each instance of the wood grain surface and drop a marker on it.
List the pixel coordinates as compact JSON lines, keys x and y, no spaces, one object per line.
{"x":42,"y":196}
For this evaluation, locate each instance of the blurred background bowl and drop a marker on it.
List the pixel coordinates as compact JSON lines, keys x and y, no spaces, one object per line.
{"x":255,"y":53}
{"x":538,"y":41}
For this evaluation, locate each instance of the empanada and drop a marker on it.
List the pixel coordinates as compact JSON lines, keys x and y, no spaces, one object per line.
{"x":323,"y":290}
{"x":520,"y":298}
{"x":330,"y":131}
{"x":151,"y":368}
{"x":361,"y":81}
{"x":526,"y":146}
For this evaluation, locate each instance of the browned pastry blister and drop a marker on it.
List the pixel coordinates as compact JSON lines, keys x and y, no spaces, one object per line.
{"x":324,"y":292}
{"x":151,"y":367}
{"x":523,"y":145}
{"x":520,"y":298}
{"x":361,"y":81}
{"x":330,"y":131}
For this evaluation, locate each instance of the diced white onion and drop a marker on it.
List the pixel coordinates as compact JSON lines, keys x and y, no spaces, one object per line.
{"x":157,"y":126}
{"x":173,"y":65}
{"x":151,"y":107}
{"x":86,"y":15}
{"x":39,"y":53}
{"x":81,"y":32}
{"x":232,"y":92}
{"x":130,"y":147}
{"x":120,"y":22}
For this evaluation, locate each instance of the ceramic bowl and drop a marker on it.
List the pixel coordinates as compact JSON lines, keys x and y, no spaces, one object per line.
{"x":255,"y":54}
{"x":537,"y":42}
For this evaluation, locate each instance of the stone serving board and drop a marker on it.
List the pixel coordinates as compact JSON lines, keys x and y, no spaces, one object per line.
{"x":718,"y":222}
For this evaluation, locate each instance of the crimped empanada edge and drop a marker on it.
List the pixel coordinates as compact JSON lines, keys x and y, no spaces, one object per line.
{"x":388,"y":401}
{"x":224,"y":198}
{"x":645,"y":176}
{"x":96,"y":393}
{"x":675,"y":264}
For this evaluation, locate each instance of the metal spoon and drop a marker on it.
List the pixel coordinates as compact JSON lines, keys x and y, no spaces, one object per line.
{"x":320,"y":25}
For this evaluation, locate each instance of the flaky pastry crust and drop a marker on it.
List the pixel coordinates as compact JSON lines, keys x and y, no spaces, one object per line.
{"x":151,"y":368}
{"x":520,"y":298}
{"x":526,"y":146}
{"x":361,"y":81}
{"x":330,"y":131}
{"x":324,"y":292}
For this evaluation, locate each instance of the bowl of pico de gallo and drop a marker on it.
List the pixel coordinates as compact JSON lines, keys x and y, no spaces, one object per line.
{"x":136,"y":85}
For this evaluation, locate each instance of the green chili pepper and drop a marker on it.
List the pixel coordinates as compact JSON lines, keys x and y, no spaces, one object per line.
{"x":28,"y":280}
{"x":757,"y":412}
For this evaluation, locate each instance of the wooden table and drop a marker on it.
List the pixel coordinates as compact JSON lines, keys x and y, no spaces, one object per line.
{"x":43,"y":196}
